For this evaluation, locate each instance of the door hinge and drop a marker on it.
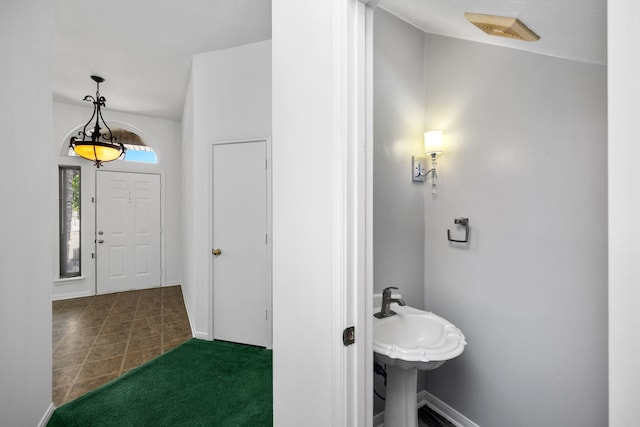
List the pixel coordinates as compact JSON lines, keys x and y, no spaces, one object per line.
{"x":349,"y":336}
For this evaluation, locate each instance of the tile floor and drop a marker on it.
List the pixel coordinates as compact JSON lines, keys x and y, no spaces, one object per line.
{"x":96,"y":339}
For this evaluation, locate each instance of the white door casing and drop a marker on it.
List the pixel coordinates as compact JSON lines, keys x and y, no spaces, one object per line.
{"x":241,"y":274}
{"x":127,"y":231}
{"x":319,"y":244}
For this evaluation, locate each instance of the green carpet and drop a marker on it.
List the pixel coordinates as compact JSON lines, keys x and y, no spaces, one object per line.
{"x":200,"y":383}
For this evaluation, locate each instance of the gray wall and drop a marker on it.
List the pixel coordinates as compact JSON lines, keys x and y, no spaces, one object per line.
{"x":525,"y":159}
{"x":398,"y":126}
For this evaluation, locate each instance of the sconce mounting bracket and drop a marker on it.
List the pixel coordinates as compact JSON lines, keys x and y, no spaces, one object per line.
{"x":418,"y":168}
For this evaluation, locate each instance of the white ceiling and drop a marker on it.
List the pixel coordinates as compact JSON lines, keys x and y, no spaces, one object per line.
{"x":571,"y":29}
{"x":143,"y":48}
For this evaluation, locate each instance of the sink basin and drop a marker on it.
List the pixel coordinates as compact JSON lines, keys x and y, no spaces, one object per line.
{"x":410,"y":340}
{"x":416,"y":339}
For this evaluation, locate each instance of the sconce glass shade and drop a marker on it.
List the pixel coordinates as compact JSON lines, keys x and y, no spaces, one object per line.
{"x":433,"y":141}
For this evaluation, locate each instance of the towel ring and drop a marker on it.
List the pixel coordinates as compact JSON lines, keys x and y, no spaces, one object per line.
{"x":464,"y":222}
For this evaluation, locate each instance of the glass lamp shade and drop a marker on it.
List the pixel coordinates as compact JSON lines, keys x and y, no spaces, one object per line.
{"x":433,"y":141}
{"x":97,"y":151}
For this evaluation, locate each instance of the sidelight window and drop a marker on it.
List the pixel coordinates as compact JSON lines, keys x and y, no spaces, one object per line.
{"x":69,"y":205}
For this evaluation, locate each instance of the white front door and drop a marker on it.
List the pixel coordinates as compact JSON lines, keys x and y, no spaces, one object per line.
{"x":240,"y":268}
{"x":127,"y":231}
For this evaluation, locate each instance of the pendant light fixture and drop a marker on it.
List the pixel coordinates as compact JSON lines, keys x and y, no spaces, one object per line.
{"x":91,"y":143}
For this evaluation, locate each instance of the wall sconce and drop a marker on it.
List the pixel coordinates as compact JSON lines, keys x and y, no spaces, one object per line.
{"x":433,"y":147}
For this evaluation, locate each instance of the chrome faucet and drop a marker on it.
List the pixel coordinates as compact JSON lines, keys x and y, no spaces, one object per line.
{"x":386,"y":301}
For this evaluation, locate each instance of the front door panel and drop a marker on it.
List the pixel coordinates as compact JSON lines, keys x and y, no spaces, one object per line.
{"x":127,"y":231}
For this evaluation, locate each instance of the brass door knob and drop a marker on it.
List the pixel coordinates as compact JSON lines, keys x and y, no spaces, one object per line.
{"x":217,"y":252}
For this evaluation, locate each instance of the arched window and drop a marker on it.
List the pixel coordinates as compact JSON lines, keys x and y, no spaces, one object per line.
{"x":137,"y":150}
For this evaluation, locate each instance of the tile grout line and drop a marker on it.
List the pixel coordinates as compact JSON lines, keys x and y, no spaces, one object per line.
{"x":86,"y":357}
{"x":66,"y":332}
{"x":64,"y":335}
{"x":163,"y":304}
{"x":126,"y":347}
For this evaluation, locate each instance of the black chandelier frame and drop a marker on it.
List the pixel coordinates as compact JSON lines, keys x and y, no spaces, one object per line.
{"x":95,"y":137}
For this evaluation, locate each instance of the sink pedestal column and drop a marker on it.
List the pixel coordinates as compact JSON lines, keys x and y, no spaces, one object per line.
{"x":401,"y":407}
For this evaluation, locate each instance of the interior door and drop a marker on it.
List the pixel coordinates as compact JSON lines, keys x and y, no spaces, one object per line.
{"x":240,"y":241}
{"x":127,"y":231}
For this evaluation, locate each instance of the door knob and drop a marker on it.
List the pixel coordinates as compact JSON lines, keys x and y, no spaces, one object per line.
{"x":217,"y":252}
{"x":100,"y":241}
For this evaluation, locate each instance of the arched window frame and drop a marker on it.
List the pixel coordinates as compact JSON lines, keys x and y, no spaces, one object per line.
{"x":133,"y":149}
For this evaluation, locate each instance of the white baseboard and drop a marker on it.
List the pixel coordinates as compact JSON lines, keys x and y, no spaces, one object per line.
{"x":456,"y":418}
{"x":378,"y":420}
{"x":201,"y":336}
{"x":71,"y":295}
{"x":47,"y":416}
{"x":174,"y":283}
{"x":426,"y":398}
{"x":191,"y":322}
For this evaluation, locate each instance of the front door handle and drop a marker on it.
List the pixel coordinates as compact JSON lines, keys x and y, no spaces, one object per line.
{"x":216,"y":252}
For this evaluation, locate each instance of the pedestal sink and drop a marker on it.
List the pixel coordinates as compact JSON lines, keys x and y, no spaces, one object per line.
{"x":410,"y":340}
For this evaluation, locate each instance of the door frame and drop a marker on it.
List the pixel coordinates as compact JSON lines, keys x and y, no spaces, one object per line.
{"x":94,"y":250}
{"x":269,"y":302}
{"x":326,"y":111}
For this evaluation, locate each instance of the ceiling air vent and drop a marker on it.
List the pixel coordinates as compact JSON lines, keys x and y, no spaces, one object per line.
{"x":502,"y":26}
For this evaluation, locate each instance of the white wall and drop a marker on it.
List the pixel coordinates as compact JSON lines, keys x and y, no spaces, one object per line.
{"x":164,"y":137}
{"x":302,"y":218}
{"x":525,"y":160}
{"x":188,"y":228}
{"x":229,"y":99}
{"x":317,"y":251}
{"x":398,"y":128}
{"x":624,"y":208}
{"x":25,"y":230}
